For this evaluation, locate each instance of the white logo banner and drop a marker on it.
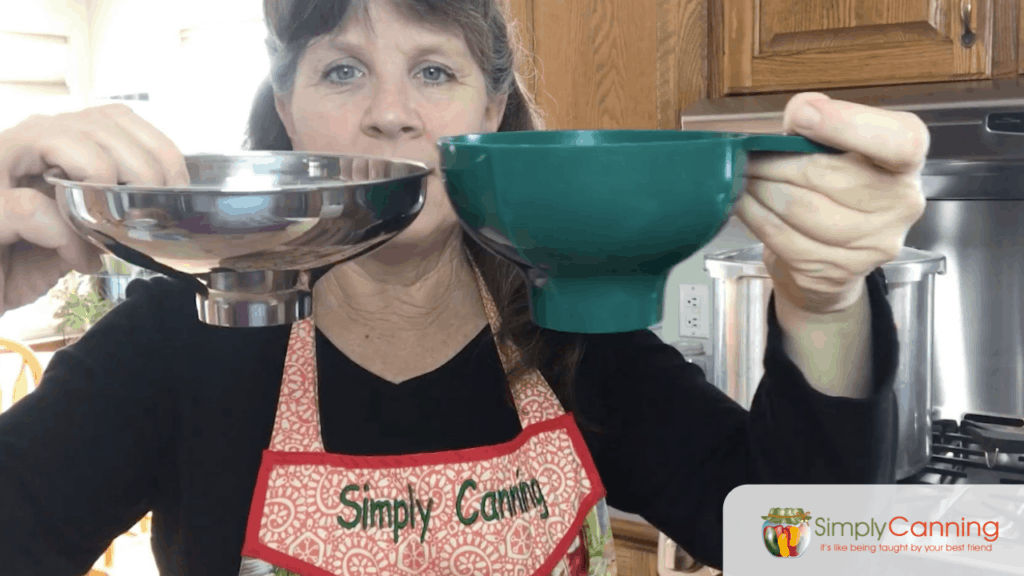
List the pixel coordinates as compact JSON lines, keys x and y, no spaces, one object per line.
{"x":880,"y":530}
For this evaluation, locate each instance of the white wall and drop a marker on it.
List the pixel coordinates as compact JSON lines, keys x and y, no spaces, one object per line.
{"x":733,"y":236}
{"x":137,"y":43}
{"x":133,"y":46}
{"x":43,"y":16}
{"x":200,"y":90}
{"x":63,"y":18}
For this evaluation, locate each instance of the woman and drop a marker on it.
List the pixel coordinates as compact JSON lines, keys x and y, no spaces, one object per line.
{"x":409,"y":366}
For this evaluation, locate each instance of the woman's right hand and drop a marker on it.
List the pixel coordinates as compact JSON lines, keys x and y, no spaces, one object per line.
{"x":101,"y":145}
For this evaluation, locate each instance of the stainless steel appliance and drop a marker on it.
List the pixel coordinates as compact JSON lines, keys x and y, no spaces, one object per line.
{"x":976,"y":450}
{"x":980,"y":450}
{"x":975,"y":218}
{"x":973,"y":180}
{"x":742,"y":291}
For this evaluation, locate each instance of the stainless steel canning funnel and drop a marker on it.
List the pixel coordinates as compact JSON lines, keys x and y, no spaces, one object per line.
{"x":249,"y":224}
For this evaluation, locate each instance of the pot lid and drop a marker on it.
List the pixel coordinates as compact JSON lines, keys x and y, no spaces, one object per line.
{"x":912,"y":265}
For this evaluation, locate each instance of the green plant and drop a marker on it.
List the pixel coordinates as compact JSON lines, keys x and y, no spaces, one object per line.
{"x":80,"y":313}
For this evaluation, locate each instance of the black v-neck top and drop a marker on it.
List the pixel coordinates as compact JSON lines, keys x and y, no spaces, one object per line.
{"x":153,"y":410}
{"x":429,"y":413}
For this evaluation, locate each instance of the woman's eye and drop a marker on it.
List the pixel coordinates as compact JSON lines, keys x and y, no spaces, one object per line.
{"x":343,"y":73}
{"x":435,"y":74}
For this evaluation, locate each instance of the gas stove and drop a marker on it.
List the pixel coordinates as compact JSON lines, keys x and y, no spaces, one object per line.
{"x":977,"y":450}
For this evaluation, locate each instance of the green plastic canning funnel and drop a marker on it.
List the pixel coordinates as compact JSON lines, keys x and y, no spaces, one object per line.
{"x":597,"y":219}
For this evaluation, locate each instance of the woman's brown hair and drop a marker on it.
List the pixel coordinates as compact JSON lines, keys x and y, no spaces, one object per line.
{"x":292,"y":24}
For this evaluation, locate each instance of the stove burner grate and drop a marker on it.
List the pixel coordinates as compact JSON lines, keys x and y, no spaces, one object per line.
{"x":977,"y":450}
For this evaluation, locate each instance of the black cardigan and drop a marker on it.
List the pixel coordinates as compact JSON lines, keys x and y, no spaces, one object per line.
{"x":152,"y":410}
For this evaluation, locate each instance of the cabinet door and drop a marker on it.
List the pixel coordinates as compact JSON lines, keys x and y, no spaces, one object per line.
{"x":1018,"y":43}
{"x":613,"y":64}
{"x":781,"y":45}
{"x":521,"y":17}
{"x":636,"y":548}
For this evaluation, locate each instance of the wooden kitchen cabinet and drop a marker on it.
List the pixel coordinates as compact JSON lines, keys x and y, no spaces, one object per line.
{"x":620,"y":64}
{"x":636,"y":551}
{"x":613,"y":64}
{"x":779,"y":45}
{"x":636,"y":548}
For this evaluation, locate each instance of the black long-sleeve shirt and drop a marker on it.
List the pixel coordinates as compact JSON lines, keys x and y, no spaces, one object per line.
{"x":153,"y":410}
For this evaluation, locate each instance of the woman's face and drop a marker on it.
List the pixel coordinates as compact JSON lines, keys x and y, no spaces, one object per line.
{"x":385,"y":86}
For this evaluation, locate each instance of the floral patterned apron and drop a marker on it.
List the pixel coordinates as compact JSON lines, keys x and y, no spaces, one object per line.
{"x":531,"y":506}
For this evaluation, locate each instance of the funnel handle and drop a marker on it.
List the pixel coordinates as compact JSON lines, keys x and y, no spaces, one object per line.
{"x":785,"y":143}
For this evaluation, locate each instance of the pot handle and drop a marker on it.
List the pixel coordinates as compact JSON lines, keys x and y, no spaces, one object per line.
{"x":785,"y":143}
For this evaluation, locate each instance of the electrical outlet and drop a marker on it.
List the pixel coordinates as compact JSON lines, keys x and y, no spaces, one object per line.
{"x":695,"y":310}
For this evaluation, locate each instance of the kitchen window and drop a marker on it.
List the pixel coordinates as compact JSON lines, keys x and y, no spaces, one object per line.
{"x":42,"y":80}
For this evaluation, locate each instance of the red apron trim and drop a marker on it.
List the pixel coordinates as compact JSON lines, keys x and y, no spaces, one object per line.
{"x":271,"y":459}
{"x":253,"y":548}
{"x":290,"y":513}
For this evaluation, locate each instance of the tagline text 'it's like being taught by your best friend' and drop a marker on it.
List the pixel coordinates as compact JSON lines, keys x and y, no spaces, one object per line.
{"x":896,"y":548}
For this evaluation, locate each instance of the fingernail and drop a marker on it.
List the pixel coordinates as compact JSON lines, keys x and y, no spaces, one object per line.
{"x":807,"y":116}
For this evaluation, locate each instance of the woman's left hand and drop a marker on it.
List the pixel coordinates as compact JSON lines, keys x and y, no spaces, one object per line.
{"x":828,"y":220}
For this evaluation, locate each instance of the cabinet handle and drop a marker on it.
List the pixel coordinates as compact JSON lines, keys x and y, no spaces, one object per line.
{"x":966,"y":11}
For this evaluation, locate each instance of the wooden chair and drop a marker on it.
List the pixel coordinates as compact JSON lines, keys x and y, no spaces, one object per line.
{"x":141,"y":528}
{"x":30,"y":373}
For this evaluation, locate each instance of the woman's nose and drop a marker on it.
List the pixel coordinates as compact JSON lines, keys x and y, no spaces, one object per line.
{"x":391,"y":114}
